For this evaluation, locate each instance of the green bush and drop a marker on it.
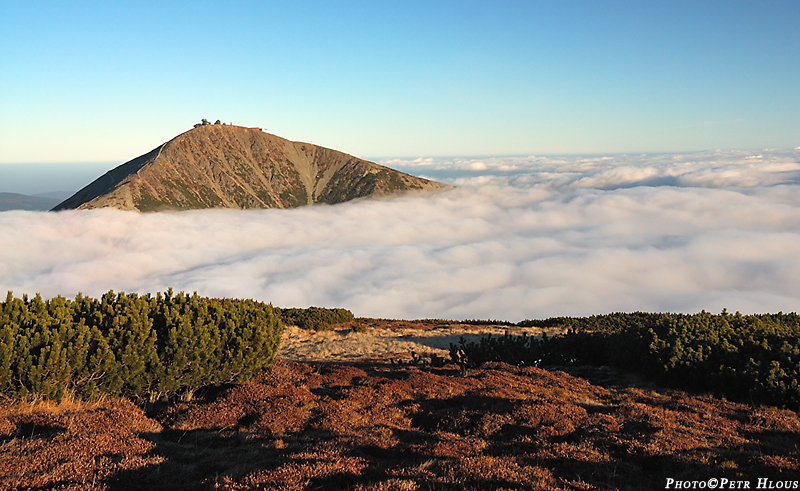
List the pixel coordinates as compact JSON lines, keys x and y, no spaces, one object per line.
{"x":314,"y":318}
{"x":516,"y":350}
{"x":752,"y":358}
{"x":145,"y":347}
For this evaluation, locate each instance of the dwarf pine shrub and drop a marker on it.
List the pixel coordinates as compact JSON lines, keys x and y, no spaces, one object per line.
{"x":144,"y":347}
{"x":752,"y":358}
{"x":314,"y":318}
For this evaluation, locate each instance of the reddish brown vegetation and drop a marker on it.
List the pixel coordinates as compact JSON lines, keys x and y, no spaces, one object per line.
{"x":373,"y":427}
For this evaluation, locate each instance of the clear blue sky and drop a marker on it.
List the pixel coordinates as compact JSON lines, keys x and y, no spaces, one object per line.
{"x":107,"y":81}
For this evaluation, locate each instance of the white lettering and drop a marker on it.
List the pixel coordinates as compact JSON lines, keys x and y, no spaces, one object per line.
{"x":725,"y":483}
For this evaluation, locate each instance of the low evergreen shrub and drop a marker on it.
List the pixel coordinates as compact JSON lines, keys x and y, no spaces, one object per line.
{"x":751,"y":358}
{"x":144,"y":347}
{"x":314,"y":318}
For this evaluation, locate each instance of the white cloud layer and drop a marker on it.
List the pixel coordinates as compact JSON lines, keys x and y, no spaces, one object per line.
{"x":517,"y":238}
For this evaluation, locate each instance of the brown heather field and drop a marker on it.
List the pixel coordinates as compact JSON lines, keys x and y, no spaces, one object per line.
{"x":373,"y":425}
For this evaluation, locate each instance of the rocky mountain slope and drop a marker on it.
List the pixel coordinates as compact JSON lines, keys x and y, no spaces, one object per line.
{"x":227,"y":166}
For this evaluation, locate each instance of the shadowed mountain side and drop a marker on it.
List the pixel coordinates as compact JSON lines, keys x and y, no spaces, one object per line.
{"x":225,"y":166}
{"x":108,"y":182}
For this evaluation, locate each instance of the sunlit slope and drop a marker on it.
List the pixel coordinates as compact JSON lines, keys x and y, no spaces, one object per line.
{"x":226,"y":166}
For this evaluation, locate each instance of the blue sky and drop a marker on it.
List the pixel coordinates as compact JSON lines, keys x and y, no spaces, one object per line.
{"x":108,"y":81}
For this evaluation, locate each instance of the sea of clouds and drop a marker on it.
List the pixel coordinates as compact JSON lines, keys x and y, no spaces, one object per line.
{"x":516,"y":238}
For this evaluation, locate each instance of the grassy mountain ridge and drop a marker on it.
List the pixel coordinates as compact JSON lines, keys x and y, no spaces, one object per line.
{"x":237,"y":167}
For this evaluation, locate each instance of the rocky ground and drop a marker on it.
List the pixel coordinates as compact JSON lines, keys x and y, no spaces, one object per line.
{"x":367,"y":424}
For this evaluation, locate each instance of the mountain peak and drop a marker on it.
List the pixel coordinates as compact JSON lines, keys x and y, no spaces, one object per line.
{"x":228,"y":166}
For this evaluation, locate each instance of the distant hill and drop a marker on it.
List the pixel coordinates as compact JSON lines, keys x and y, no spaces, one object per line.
{"x":226,"y":166}
{"x":14,"y":201}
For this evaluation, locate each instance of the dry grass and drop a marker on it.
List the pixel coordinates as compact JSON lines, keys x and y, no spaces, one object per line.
{"x":381,"y":339}
{"x":70,"y":444}
{"x":373,"y":427}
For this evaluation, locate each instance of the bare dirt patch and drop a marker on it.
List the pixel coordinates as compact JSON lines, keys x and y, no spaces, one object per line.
{"x":385,"y":340}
